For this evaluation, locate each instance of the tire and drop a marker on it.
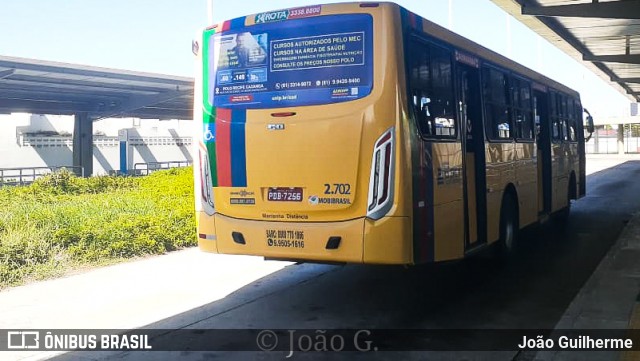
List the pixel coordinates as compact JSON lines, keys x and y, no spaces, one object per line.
{"x":507,"y":244}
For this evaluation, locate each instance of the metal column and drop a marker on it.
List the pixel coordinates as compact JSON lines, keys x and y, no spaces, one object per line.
{"x":83,"y":143}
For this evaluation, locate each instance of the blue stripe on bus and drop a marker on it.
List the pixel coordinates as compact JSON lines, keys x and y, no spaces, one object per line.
{"x":237,"y":23}
{"x":238,"y":149}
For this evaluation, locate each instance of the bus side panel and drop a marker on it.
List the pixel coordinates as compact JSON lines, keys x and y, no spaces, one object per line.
{"x":206,"y":232}
{"x":527,"y":182}
{"x":582,"y":172}
{"x":387,"y":241}
{"x":438,"y":207}
{"x":559,"y":175}
{"x":500,"y":172}
{"x":448,"y":205}
{"x":574,"y":158}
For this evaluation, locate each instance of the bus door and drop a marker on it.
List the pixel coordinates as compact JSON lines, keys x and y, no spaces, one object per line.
{"x":543,"y":137}
{"x":475,"y":194}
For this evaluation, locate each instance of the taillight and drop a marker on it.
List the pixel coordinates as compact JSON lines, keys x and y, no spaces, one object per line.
{"x":206,"y":189}
{"x":382,"y":175}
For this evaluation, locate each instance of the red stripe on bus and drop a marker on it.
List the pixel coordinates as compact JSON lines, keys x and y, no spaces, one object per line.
{"x":226,"y":25}
{"x":412,"y":20}
{"x":223,"y":147}
{"x":384,"y":139}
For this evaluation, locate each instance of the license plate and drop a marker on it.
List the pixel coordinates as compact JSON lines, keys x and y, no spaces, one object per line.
{"x":284,"y":195}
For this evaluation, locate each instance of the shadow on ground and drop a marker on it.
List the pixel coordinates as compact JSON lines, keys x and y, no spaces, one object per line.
{"x":531,"y":290}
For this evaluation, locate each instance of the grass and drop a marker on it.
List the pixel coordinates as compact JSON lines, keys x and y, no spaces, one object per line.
{"x":62,"y":222}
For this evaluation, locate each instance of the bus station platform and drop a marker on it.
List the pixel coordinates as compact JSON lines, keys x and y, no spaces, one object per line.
{"x":609,"y":300}
{"x":191,"y":289}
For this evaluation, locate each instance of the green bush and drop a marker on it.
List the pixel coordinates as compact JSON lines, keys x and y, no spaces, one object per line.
{"x":61,"y":221}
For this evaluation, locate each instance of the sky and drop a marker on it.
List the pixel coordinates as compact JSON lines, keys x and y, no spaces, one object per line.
{"x":155,"y":36}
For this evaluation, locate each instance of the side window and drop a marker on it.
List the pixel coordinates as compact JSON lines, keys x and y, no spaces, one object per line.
{"x":556,"y":127}
{"x":564,"y":117}
{"x":573,"y":106}
{"x":577,"y":119}
{"x":443,"y":106}
{"x":494,"y":87}
{"x":536,"y":115}
{"x":521,"y":109}
{"x":431,"y":89}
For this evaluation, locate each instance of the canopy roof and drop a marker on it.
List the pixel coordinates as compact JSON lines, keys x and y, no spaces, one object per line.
{"x":45,"y":87}
{"x":603,"y":34}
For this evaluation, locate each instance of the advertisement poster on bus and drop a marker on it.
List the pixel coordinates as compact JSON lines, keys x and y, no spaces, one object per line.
{"x":317,"y":60}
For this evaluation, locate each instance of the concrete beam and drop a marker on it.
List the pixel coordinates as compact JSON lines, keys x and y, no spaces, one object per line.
{"x":609,"y":10}
{"x":83,"y":143}
{"x":139,"y":102}
{"x":6,"y":73}
{"x":554,"y":32}
{"x":42,"y":107}
{"x":626,"y":80}
{"x":625,"y":58}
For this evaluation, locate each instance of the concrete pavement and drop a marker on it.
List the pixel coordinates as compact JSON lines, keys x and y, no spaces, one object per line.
{"x":176,"y":290}
{"x":609,"y":300}
{"x":128,"y":295}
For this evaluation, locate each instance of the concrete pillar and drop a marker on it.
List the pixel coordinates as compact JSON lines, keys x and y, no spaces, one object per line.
{"x":123,"y":137}
{"x":620,"y":138}
{"x":83,"y":143}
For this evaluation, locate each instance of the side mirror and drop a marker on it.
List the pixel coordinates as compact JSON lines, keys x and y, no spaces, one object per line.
{"x":590,"y":127}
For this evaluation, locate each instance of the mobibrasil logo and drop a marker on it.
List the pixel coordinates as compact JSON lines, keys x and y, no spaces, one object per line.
{"x":272,"y":16}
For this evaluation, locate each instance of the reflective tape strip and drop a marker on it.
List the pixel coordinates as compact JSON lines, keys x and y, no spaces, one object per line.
{"x":209,"y":237}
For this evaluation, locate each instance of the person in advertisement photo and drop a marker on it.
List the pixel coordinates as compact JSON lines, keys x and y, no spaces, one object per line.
{"x":247,"y":51}
{"x":310,"y":61}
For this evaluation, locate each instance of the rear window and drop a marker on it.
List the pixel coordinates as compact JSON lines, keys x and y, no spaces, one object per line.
{"x":310,"y":61}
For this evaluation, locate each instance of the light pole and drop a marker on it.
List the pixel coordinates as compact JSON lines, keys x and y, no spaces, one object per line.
{"x":209,"y":12}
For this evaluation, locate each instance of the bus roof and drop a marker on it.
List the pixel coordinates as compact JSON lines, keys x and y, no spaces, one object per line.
{"x":428,"y":27}
{"x":472,"y":47}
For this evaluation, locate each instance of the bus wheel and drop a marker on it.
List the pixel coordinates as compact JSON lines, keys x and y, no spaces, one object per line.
{"x":508,"y":225}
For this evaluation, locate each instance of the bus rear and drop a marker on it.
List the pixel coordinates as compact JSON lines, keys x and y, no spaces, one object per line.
{"x":301,"y":148}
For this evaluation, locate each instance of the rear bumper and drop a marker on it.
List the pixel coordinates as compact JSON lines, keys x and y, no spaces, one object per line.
{"x":386,"y":241}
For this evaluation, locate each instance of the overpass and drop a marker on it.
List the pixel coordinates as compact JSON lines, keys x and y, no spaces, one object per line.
{"x":90,"y":93}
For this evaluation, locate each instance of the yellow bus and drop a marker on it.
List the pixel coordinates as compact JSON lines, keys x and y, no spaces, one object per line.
{"x":363,"y":133}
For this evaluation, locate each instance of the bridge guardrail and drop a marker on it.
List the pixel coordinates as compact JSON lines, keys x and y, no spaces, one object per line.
{"x":27,"y":175}
{"x":150,"y":167}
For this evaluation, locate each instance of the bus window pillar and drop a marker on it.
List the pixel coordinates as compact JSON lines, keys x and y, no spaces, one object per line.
{"x":83,"y":143}
{"x":620,"y":138}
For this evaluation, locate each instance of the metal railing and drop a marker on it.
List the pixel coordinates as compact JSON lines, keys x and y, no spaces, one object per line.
{"x":26,"y":175}
{"x":150,"y":167}
{"x":605,"y":141}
